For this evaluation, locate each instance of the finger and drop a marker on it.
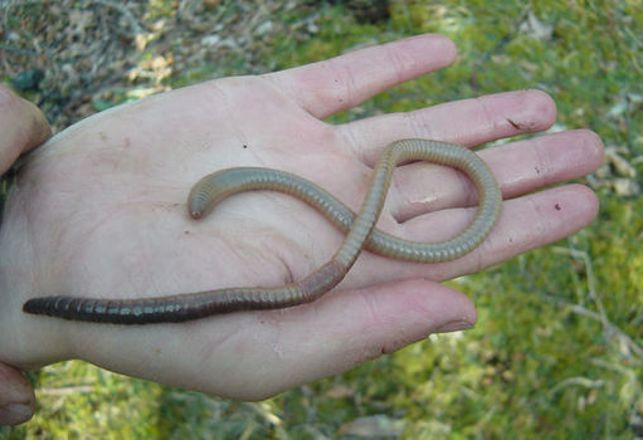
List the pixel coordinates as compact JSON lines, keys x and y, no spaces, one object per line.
{"x":22,"y":125}
{"x":467,"y":122}
{"x":519,"y":167}
{"x":525,"y":223}
{"x":17,"y":398}
{"x":329,"y":86}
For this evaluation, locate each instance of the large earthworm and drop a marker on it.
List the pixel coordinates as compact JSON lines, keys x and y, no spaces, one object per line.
{"x":360,"y":233}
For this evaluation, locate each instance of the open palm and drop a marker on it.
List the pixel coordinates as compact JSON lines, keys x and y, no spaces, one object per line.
{"x":100,"y":210}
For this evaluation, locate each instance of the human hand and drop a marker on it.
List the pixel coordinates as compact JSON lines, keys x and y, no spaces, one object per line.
{"x":100,"y":211}
{"x":23,"y":127}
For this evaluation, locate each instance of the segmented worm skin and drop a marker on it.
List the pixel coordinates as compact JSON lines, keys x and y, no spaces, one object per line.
{"x":359,"y":228}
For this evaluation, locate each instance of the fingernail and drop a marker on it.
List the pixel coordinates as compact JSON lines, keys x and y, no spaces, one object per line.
{"x":454,"y":326}
{"x":15,"y":413}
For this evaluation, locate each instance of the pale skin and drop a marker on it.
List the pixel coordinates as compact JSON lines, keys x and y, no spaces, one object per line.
{"x":99,"y":210}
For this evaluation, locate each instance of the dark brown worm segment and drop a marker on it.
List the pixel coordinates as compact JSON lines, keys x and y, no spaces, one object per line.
{"x":360,"y":230}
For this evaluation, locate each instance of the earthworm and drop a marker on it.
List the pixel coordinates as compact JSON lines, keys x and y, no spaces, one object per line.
{"x":360,"y":232}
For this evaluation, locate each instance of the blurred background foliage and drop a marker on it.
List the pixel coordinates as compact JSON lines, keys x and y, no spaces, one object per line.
{"x":557,"y":350}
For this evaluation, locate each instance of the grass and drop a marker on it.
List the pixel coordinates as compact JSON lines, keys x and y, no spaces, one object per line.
{"x":557,"y":350}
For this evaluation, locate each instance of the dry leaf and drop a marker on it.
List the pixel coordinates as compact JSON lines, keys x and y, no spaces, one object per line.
{"x":535,"y":28}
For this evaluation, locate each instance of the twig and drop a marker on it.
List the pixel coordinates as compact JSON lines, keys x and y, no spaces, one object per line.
{"x":608,"y":326}
{"x":591,"y":280}
{"x":577,"y":381}
{"x":64,"y":391}
{"x":19,"y":51}
{"x":601,"y":315}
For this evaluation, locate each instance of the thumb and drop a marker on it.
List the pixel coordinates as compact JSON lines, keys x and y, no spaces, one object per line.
{"x":17,"y":398}
{"x":22,"y":125}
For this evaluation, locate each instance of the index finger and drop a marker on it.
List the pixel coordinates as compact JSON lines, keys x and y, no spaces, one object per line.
{"x":329,"y":86}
